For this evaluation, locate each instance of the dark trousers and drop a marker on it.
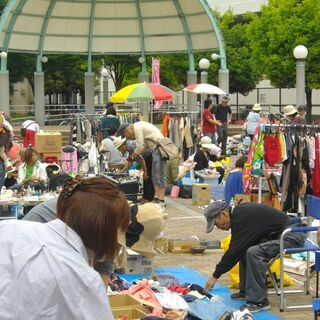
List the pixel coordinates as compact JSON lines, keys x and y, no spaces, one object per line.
{"x":222,"y":137}
{"x":148,"y":188}
{"x":254,"y":265}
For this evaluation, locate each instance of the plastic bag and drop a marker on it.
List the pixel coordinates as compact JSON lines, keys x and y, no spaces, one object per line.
{"x":234,"y":272}
{"x":93,"y":155}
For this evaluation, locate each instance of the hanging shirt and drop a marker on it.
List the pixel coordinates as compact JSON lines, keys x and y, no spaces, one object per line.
{"x":272,"y":149}
{"x":51,"y":258}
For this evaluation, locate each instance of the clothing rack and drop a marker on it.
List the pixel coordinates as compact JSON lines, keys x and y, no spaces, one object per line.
{"x":181,"y":112}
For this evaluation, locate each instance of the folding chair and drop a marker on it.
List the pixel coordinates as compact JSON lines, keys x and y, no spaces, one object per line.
{"x":313,"y":210}
{"x":316,"y":300}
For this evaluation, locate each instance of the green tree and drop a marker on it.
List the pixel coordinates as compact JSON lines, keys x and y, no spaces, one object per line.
{"x":243,"y":77}
{"x":282,"y":25}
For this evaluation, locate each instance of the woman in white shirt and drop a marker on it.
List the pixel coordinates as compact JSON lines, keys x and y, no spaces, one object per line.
{"x":47,"y":267}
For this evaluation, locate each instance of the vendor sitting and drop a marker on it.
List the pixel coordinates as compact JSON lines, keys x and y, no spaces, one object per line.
{"x":32,"y":173}
{"x":207,"y":152}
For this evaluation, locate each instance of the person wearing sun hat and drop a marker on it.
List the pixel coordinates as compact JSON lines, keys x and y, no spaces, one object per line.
{"x":207,"y":152}
{"x":253,"y":120}
{"x":255,"y":240}
{"x":291,"y":113}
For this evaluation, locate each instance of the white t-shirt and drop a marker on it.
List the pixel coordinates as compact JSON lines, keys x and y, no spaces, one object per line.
{"x":31,"y":125}
{"x":114,"y":155}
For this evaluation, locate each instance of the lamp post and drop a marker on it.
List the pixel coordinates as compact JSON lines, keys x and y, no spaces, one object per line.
{"x":4,"y":84}
{"x":300,"y":53}
{"x":223,"y":74}
{"x":105,"y":85}
{"x":204,"y":65}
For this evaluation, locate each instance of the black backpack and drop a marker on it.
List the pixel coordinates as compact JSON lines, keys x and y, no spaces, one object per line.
{"x":56,"y":177}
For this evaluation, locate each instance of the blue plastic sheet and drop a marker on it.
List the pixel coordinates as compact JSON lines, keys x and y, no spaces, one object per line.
{"x":188,"y":275}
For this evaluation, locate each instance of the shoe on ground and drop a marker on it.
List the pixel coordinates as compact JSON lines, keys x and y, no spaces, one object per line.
{"x":238,"y":296}
{"x":257,"y":307}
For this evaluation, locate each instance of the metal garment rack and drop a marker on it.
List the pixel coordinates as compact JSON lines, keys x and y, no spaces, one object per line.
{"x":282,"y":125}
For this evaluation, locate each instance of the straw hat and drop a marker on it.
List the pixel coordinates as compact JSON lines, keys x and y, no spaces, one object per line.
{"x":206,"y":142}
{"x":256,"y":107}
{"x":289,"y":110}
{"x":118,"y":141}
{"x":146,"y":224}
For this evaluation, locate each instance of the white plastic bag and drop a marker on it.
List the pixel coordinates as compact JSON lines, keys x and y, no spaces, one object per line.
{"x":93,"y":155}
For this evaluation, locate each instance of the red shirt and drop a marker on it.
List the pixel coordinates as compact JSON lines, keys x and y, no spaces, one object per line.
{"x":207,"y":126}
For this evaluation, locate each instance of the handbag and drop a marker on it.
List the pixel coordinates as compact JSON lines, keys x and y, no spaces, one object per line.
{"x":168,"y":149}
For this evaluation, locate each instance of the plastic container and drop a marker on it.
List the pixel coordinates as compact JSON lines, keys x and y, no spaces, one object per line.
{"x":175,"y":191}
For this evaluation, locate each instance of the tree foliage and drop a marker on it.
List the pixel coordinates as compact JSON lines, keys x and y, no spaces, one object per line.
{"x":282,"y":25}
{"x":243,"y":76}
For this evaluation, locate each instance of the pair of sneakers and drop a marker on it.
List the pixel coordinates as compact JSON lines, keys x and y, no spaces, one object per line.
{"x":253,"y":307}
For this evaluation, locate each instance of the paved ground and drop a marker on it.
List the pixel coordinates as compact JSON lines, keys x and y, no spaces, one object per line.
{"x":184,"y":220}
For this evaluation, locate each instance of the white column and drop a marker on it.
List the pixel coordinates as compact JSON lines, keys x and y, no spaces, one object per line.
{"x":105,"y":90}
{"x":204,"y":77}
{"x":224,"y":80}
{"x":89,"y":92}
{"x":4,"y":92}
{"x":39,"y":98}
{"x":143,"y":77}
{"x":192,"y":97}
{"x":300,"y":83}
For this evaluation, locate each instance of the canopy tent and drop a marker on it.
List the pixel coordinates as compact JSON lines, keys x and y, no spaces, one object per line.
{"x":108,"y":26}
{"x":95,"y":27}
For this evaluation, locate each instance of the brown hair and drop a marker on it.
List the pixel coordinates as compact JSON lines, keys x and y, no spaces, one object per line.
{"x":241,"y":161}
{"x":29,"y":153}
{"x":96,"y":210}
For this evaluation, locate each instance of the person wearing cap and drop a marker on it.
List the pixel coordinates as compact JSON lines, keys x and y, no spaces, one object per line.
{"x":223,"y":114}
{"x":147,"y":136}
{"x":291,"y":113}
{"x":209,"y":122}
{"x":255,"y":240}
{"x":204,"y":154}
{"x":253,"y":120}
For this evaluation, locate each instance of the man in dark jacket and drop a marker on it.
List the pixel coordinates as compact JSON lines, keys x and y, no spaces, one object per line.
{"x":255,"y":232}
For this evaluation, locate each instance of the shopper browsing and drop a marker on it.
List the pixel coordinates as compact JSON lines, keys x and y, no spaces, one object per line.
{"x":255,"y":240}
{"x":28,"y":132}
{"x":209,"y":121}
{"x":147,"y":136}
{"x":56,"y":257}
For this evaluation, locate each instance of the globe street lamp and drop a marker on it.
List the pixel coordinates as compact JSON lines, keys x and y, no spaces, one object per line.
{"x":204,"y":65}
{"x":300,"y":53}
{"x":105,"y":85}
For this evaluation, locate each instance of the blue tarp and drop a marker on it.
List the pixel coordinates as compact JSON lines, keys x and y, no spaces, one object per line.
{"x":188,"y":275}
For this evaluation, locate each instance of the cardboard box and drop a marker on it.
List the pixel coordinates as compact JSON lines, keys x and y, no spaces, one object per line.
{"x":201,"y":194}
{"x":265,"y":198}
{"x":130,"y":313}
{"x":47,"y":142}
{"x":124,"y":301}
{"x":162,"y":244}
{"x":183,"y":245}
{"x":131,"y":262}
{"x":296,"y":266}
{"x":242,"y":198}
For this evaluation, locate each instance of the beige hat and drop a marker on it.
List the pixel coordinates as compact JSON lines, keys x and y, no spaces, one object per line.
{"x":146,"y":224}
{"x":206,"y":142}
{"x":118,"y":141}
{"x":289,"y":110}
{"x":256,"y":107}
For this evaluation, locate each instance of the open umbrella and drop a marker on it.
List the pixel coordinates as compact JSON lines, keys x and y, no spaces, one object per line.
{"x":143,"y":92}
{"x":203,"y":88}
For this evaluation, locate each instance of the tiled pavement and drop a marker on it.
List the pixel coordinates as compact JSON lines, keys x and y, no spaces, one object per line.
{"x":185,"y":220}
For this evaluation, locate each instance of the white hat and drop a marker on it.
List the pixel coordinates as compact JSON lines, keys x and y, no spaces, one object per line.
{"x":146,"y":224}
{"x":206,"y":142}
{"x":118,"y":141}
{"x":256,"y":107}
{"x":289,"y":110}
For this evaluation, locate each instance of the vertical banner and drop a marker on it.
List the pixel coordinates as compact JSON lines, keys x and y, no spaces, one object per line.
{"x":156,"y":78}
